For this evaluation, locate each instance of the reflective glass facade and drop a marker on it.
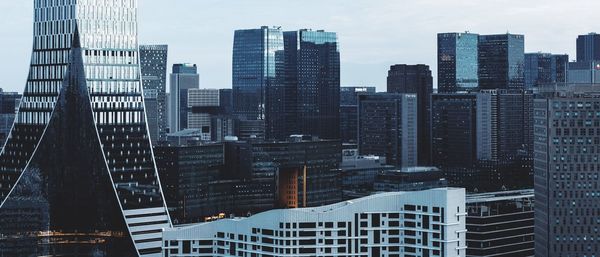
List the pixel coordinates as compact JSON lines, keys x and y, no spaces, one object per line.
{"x":308,"y":99}
{"x":256,"y":53}
{"x":457,"y":62}
{"x":78,"y":159}
{"x":545,"y":69}
{"x":588,"y":47}
{"x":501,"y":61}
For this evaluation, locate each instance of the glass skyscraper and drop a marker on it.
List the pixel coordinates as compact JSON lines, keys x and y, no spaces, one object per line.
{"x":256,"y":54}
{"x":545,"y":69}
{"x":184,"y":77}
{"x":307,"y":101}
{"x":153,"y":61}
{"x":588,"y":47}
{"x":77,"y":175}
{"x":501,"y":61}
{"x":457,"y":62}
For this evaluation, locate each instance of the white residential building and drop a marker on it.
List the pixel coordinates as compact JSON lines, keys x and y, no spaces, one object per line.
{"x":407,"y":224}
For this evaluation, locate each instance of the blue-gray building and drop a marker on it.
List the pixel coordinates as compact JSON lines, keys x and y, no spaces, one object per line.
{"x":588,"y":47}
{"x":388,"y":127}
{"x":184,"y":77}
{"x":256,"y":55}
{"x":153,"y":62}
{"x":545,"y":69}
{"x":457,"y":62}
{"x":501,"y":61}
{"x":9,"y":105}
{"x":307,"y":101}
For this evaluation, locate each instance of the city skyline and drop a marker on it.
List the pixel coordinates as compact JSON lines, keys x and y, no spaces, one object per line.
{"x":367,"y":46}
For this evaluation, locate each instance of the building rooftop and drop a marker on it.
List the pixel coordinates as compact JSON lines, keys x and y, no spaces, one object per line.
{"x":499,"y":196}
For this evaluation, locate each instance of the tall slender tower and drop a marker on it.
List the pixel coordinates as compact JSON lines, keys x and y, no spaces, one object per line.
{"x":77,"y":174}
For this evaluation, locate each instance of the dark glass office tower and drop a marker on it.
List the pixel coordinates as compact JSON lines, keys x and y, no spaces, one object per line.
{"x":501,"y":61}
{"x":454,"y":130}
{"x":153,"y":62}
{"x":545,"y":69}
{"x":184,"y":77}
{"x":588,"y":47}
{"x":566,"y":174}
{"x":308,"y":100}
{"x":415,"y":79}
{"x":77,"y":175}
{"x":457,"y":62}
{"x":349,"y":112}
{"x":387,"y":126}
{"x":256,"y":54}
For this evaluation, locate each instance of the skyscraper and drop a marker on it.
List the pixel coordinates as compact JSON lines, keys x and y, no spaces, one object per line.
{"x":307,"y":99}
{"x":457,"y":62}
{"x":387,"y":126}
{"x":153,"y":62}
{"x":349,"y":112}
{"x":501,"y":61}
{"x":256,"y":54}
{"x":416,"y":79}
{"x":184,"y":77}
{"x":588,"y":47}
{"x":545,"y":69}
{"x":566,"y":174}
{"x":77,"y":175}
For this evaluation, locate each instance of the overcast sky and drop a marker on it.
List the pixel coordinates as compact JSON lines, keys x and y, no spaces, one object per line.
{"x":373,"y":34}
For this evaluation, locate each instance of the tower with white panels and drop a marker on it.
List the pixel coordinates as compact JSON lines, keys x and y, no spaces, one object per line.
{"x":77,"y":173}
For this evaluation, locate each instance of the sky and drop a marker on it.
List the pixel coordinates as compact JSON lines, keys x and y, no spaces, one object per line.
{"x":373,"y":34}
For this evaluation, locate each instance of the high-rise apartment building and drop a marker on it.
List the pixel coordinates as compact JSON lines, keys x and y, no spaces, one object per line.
{"x":153,"y":62}
{"x":588,"y":47}
{"x":184,"y":77}
{"x":388,"y":127}
{"x":256,"y":55}
{"x":307,"y":101}
{"x":415,"y":79}
{"x":422,"y":223}
{"x":457,"y":62}
{"x":501,"y":61}
{"x":566,"y":174}
{"x":77,"y":174}
{"x":545,"y":69}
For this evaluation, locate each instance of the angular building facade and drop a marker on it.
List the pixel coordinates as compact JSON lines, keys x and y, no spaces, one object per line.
{"x":153,"y":62}
{"x":77,"y":174}
{"x":457,"y":62}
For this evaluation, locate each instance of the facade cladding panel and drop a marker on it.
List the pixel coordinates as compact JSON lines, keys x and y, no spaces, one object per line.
{"x":77,"y":175}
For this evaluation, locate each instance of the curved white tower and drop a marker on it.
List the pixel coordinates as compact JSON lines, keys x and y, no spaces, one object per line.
{"x":77,"y":174}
